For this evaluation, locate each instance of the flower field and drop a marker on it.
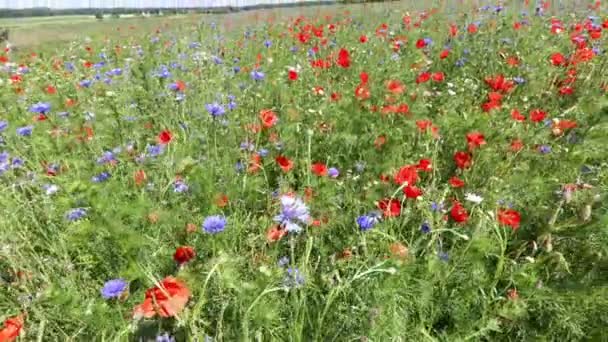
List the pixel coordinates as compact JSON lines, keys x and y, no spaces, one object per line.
{"x":338,"y":173}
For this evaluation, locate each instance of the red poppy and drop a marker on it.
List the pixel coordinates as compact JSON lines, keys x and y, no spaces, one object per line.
{"x":87,"y":64}
{"x":222,"y":200}
{"x":395,"y":86}
{"x":362,"y":92}
{"x":12,"y":329}
{"x":319,"y":169}
{"x":335,"y":96}
{"x":517,"y":116}
{"x":423,"y":125}
{"x":364,"y":77}
{"x":509,"y":217}
{"x":50,"y":90}
{"x":425,"y":165}
{"x":453,"y":30}
{"x":537,"y":115}
{"x":292,"y":75}
{"x":268,"y":118}
{"x":423,"y":77}
{"x":275,"y":233}
{"x":475,"y":140}
{"x":183,"y":254}
{"x":390,"y":207}
{"x":462,"y":159}
{"x":499,"y":83}
{"x":411,"y":191}
{"x":456,"y":182}
{"x":255,"y":163}
{"x":343,"y":58}
{"x":140,"y":177}
{"x":472,"y":28}
{"x":284,"y":163}
{"x":420,"y":43}
{"x":164,"y":137}
{"x":459,"y":213}
{"x":407,"y":174}
{"x":438,"y":76}
{"x":517,"y":145}
{"x":444,"y":54}
{"x":363,"y":39}
{"x":180,"y":86}
{"x":380,"y":141}
{"x":567,"y":90}
{"x":167,"y":299}
{"x":557,"y":59}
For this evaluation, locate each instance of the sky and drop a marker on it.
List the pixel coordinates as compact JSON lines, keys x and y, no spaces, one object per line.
{"x":58,"y":4}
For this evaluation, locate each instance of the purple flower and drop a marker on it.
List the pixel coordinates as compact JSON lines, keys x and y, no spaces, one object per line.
{"x":76,"y":214}
{"x":3,"y":125}
{"x":368,"y":221}
{"x":113,"y":288}
{"x":257,"y":75}
{"x":215,"y":109}
{"x":106,"y":158}
{"x":40,"y":108}
{"x":293,"y":212}
{"x":25,"y":131}
{"x":425,"y":227}
{"x":333,"y":172}
{"x":102,"y":177}
{"x":293,"y":278}
{"x":165,"y":338}
{"x":155,"y":150}
{"x":283,"y":261}
{"x":214,"y":224}
{"x":544,"y":149}
{"x":85,"y":83}
{"x":267,"y":43}
{"x":180,"y":186}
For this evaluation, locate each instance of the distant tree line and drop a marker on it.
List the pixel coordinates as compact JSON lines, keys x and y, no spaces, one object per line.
{"x":46,"y":12}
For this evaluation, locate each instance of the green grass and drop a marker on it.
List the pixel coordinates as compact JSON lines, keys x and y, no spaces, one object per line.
{"x":418,"y":276}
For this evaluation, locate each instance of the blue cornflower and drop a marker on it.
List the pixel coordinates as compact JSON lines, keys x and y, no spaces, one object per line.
{"x":283,"y":261}
{"x":263,"y":152}
{"x":25,"y":131}
{"x":333,"y":172}
{"x":163,"y":72}
{"x":113,"y":288}
{"x":102,"y":177}
{"x":116,"y":72}
{"x":293,"y":49}
{"x":194,"y":45}
{"x":267,"y":43}
{"x":3,"y":125}
{"x":236,"y":69}
{"x":368,"y":221}
{"x":293,"y":212}
{"x":85,"y":83}
{"x":232,"y":105}
{"x":76,"y":214}
{"x":217,"y":60}
{"x":155,"y":150}
{"x":519,"y":80}
{"x":50,"y":189}
{"x":106,"y":157}
{"x":17,"y":163}
{"x":443,"y":256}
{"x":215,"y":109}
{"x":460,"y":62}
{"x":257,"y":75}
{"x":247,"y":146}
{"x":69,"y":66}
{"x":239,"y":166}
{"x":428,"y":41}
{"x":293,"y":278}
{"x":40,"y":108}
{"x":180,"y":186}
{"x":544,"y":149}
{"x":165,"y":338}
{"x":425,"y":227}
{"x":436,"y":206}
{"x":214,"y":224}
